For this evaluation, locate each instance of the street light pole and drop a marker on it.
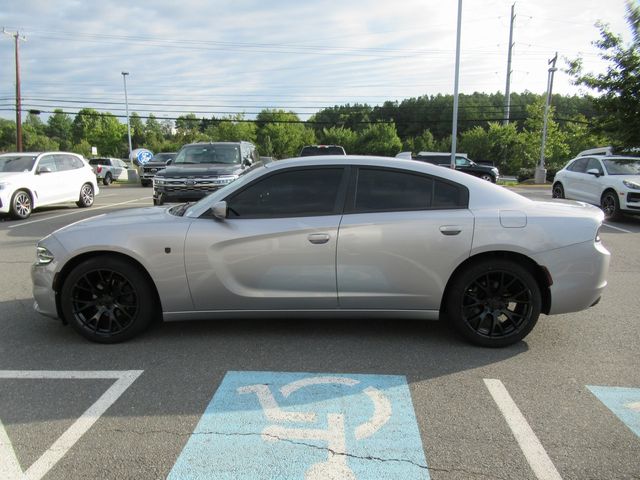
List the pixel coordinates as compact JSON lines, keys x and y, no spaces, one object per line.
{"x":454,"y":129}
{"x":541,"y":172}
{"x":126,"y":106}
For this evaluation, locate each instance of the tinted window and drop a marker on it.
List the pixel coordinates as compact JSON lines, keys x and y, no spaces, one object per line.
{"x":297,"y":193}
{"x":580,"y":165}
{"x":16,"y":163}
{"x":64,"y":162}
{"x":622,"y":166}
{"x":99,"y":161}
{"x":595,"y":164}
{"x":77,"y":163}
{"x":391,"y":190}
{"x":48,"y":162}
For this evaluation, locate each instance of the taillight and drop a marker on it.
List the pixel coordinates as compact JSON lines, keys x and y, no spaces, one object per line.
{"x":99,"y":168}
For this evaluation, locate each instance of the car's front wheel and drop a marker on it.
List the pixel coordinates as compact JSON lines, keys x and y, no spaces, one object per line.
{"x":557,"y":191}
{"x":86,"y":197}
{"x":107,"y":299}
{"x":21,"y":205}
{"x":494,"y":302}
{"x":610,"y":205}
{"x":487,"y":177}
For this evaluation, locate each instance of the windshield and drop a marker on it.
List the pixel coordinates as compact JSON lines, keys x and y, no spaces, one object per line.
{"x":622,"y":166}
{"x":162,"y":157}
{"x":209,"y":153}
{"x":17,"y":163}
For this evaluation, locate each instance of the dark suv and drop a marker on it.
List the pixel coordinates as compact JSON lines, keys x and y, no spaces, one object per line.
{"x":202,"y":168}
{"x":464,"y":164}
{"x":313,"y":150}
{"x":153,"y":166}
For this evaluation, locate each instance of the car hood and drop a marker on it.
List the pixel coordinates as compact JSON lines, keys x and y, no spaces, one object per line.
{"x":8,"y":176}
{"x":189,"y":170}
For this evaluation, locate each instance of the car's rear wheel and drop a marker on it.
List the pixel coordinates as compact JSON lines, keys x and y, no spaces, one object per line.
{"x":86,"y":197}
{"x":107,"y":299}
{"x":494,"y":303}
{"x":107,"y":179}
{"x":21,"y":205}
{"x":610,"y":205}
{"x":557,"y":191}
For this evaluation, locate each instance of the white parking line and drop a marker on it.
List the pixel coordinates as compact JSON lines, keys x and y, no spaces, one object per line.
{"x":10,"y":468}
{"x":80,"y":210}
{"x":533,"y":450}
{"x":617,"y":228}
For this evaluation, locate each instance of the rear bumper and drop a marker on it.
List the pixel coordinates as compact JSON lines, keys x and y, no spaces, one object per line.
{"x":579,"y":274}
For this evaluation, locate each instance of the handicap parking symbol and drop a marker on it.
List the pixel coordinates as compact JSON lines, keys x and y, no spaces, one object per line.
{"x":624,"y":402}
{"x":276,"y":425}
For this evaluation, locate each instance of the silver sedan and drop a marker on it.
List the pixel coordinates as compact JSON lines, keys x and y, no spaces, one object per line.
{"x":330,"y":236}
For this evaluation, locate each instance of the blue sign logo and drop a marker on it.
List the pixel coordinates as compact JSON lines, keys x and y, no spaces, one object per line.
{"x":273,"y":425}
{"x":142,"y":155}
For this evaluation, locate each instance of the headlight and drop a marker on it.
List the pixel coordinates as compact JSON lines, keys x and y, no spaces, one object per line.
{"x":627,"y":183}
{"x":158,"y":181}
{"x":3,"y":185}
{"x":43,"y":256}
{"x":227,"y":179}
{"x":494,"y":170}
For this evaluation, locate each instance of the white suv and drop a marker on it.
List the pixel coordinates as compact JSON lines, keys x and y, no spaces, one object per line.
{"x":31,"y":180}
{"x":601,"y":178}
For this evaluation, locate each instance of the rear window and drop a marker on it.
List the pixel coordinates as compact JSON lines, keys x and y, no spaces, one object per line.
{"x":314,"y":150}
{"x":99,"y":161}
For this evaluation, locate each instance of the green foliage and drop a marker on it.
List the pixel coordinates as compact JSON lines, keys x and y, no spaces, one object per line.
{"x":343,"y":136}
{"x":7,"y":135}
{"x":232,"y":129}
{"x":425,"y":142}
{"x":138,"y":135}
{"x":618,"y":104}
{"x":283,"y":139}
{"x":59,"y":128}
{"x":379,"y":139}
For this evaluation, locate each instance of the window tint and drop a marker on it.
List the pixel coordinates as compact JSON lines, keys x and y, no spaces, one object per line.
{"x":77,"y":163}
{"x":48,"y":162}
{"x":580,"y":165}
{"x":595,"y":164}
{"x":462,"y":162}
{"x":379,"y":190}
{"x":99,"y":161}
{"x":296,"y":193}
{"x":65,"y":162}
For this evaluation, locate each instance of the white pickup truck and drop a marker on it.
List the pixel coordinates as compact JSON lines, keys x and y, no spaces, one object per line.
{"x":109,"y":169}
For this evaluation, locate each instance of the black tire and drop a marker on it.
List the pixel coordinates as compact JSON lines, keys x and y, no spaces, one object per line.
{"x":107,"y":179}
{"x":557,"y":191}
{"x":159,"y":200}
{"x":488,"y":178}
{"x":610,"y":205}
{"x":107,"y":299}
{"x":145,"y":183}
{"x":21,"y":205}
{"x":494,"y":303}
{"x":86,"y":197}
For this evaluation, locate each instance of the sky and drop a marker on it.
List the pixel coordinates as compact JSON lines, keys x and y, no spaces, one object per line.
{"x":219,"y":58}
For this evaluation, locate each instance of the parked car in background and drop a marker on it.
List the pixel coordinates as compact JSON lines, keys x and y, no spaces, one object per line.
{"x":331,"y":236}
{"x":463,"y":163}
{"x":202,"y":168}
{"x":600,"y":177}
{"x":158,"y":162}
{"x":312,"y":150}
{"x":32,"y":180}
{"x":109,"y":169}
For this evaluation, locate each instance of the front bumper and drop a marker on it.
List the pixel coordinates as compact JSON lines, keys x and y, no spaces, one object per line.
{"x":43,"y":278}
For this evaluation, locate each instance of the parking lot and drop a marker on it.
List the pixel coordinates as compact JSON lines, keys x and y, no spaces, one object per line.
{"x":367,"y":398}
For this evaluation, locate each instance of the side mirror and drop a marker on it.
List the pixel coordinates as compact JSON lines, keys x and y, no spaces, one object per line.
{"x":220,"y":210}
{"x":169,"y":162}
{"x":44,"y":170}
{"x":594,"y":172}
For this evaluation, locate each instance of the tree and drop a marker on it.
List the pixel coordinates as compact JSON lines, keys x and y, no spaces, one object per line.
{"x":232,"y":129}
{"x":425,"y":142}
{"x":138,"y":137}
{"x":85,"y":126}
{"x":282,"y":133}
{"x":339,"y":136}
{"x":59,"y":128}
{"x":618,"y":106}
{"x":379,"y":139}
{"x":7,"y":135}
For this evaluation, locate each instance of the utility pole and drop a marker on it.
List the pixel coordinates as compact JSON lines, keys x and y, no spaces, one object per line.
{"x":17,"y":37}
{"x":126,"y":106}
{"x":541,"y":172}
{"x":454,"y":129}
{"x":507,"y":90}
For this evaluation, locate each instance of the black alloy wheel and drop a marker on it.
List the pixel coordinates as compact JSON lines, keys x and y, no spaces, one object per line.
{"x":557,"y":191}
{"x":494,"y":303}
{"x":107,"y":299}
{"x":86,"y":196}
{"x":21,"y":205}
{"x":610,"y":205}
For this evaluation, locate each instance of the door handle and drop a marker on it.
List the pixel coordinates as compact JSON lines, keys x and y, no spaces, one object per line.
{"x":450,"y":229}
{"x":318,"y":238}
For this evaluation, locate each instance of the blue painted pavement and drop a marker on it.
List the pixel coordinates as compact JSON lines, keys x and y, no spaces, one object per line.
{"x":275,"y":425}
{"x":624,"y":402}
